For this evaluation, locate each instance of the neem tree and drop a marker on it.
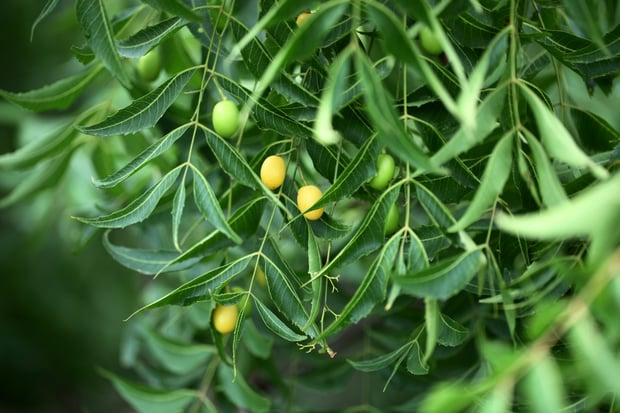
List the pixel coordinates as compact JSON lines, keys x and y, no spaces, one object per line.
{"x":374,"y":205}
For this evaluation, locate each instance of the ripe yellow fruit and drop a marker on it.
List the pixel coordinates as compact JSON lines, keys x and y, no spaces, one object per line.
{"x":260,"y":277}
{"x":273,"y":171}
{"x":225,"y":318}
{"x":306,"y":197}
{"x":302,"y":18}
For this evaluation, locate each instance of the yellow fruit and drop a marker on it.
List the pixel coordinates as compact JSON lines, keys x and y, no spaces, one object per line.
{"x":260,"y":277}
{"x":273,"y":171}
{"x":225,"y":318}
{"x":302,"y":18}
{"x":306,"y":197}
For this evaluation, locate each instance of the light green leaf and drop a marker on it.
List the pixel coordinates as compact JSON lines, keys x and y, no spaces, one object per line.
{"x":444,"y":279}
{"x":494,"y":178}
{"x":176,"y":356}
{"x":178,"y":204}
{"x":317,"y":283}
{"x":551,"y":189}
{"x":151,"y":400}
{"x":380,"y":362}
{"x":239,"y":392}
{"x":140,"y":43}
{"x":580,"y":216}
{"x":99,"y":34}
{"x":207,"y":203}
{"x":146,"y":261}
{"x":544,"y":388}
{"x":139,"y":209}
{"x":143,"y":112}
{"x":415,"y":361}
{"x":277,"y":326}
{"x":555,"y":137}
{"x":597,"y":358}
{"x":431,"y":322}
{"x":153,"y":151}
{"x":466,"y":138}
{"x":57,"y":96}
{"x":43,"y":176}
{"x":390,"y":129}
{"x":47,"y":9}
{"x":331,"y":99}
{"x":451,"y":333}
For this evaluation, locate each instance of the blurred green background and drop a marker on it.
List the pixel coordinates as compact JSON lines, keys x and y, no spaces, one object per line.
{"x":62,"y":300}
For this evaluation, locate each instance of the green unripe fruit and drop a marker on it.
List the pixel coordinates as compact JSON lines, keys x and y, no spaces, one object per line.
{"x":385,"y":172}
{"x":149,"y":65}
{"x":429,"y":41}
{"x":391,"y":221}
{"x":225,"y":118}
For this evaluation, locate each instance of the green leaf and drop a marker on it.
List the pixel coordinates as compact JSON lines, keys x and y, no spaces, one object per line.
{"x":283,"y":287}
{"x":551,"y":189}
{"x":317,"y":283}
{"x":370,"y":291}
{"x":239,"y":392}
{"x":357,"y":172}
{"x":139,"y":209}
{"x":380,"y":362}
{"x":178,"y":205}
{"x":580,"y":216}
{"x":435,"y":209}
{"x":141,"y":42}
{"x":493,"y":180}
{"x":151,"y":400}
{"x":368,"y":236}
{"x":331,"y":99}
{"x":231,"y":161}
{"x":275,"y":324}
{"x":431,"y":322}
{"x":207,"y":203}
{"x":143,"y":112}
{"x":451,"y":333}
{"x":485,"y":122}
{"x":146,"y":261}
{"x":202,"y":287}
{"x":556,"y":139}
{"x":390,"y":129}
{"x":303,"y":43}
{"x":443,"y":279}
{"x":596,"y":357}
{"x":47,"y":9}
{"x":175,"y":8}
{"x":153,"y":151}
{"x":39,"y":150}
{"x":98,"y":31}
{"x":543,"y":386}
{"x":176,"y":356}
{"x":45,"y":175}
{"x":57,"y":96}
{"x":415,"y":361}
{"x":397,"y":42}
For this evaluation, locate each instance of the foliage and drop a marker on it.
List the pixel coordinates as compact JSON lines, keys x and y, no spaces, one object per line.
{"x":496,"y":292}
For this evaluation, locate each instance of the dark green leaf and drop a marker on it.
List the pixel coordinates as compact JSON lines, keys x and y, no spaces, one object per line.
{"x":143,"y":112}
{"x":239,"y":392}
{"x":444,"y":279}
{"x":140,"y":43}
{"x":277,"y":326}
{"x":99,"y":34}
{"x":153,"y":151}
{"x":232,"y":161}
{"x":47,"y":9}
{"x":380,"y":362}
{"x":139,"y":209}
{"x":175,"y":8}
